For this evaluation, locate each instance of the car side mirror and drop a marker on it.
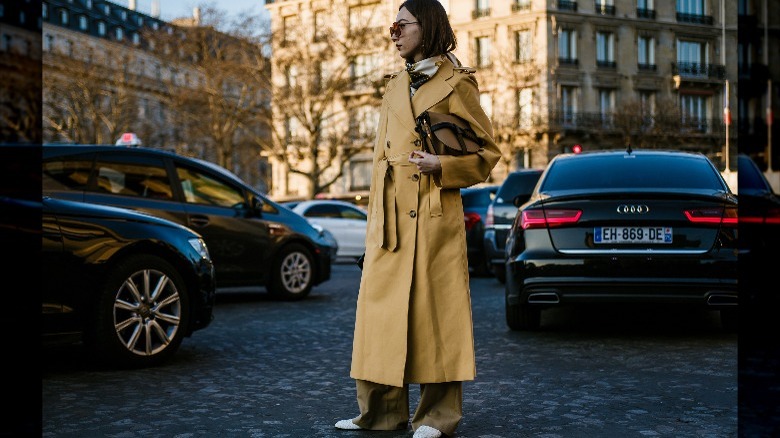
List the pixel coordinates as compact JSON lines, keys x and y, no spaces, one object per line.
{"x":520,"y":199}
{"x":257,"y":205}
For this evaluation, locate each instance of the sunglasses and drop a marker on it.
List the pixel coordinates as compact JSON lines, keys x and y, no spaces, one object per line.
{"x":397,"y":27}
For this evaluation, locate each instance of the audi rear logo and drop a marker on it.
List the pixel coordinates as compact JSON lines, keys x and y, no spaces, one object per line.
{"x":633,"y":209}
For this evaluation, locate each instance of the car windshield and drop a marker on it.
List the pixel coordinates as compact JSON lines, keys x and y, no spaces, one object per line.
{"x":516,"y":184}
{"x":750,"y":176}
{"x":636,"y":171}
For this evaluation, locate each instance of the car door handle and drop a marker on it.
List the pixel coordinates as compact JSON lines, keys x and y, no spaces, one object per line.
{"x":199,"y":221}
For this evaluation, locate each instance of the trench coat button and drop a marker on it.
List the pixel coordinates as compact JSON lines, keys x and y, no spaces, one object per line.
{"x":388,"y":143}
{"x":412,"y":213}
{"x":415,"y":177}
{"x":417,"y":143}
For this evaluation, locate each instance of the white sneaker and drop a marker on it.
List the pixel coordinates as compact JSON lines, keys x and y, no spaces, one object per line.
{"x":427,"y":432}
{"x":347,"y":425}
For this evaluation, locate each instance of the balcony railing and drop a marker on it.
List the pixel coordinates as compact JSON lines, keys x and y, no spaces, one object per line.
{"x":698,"y":70}
{"x":523,"y":5}
{"x":568,"y":61}
{"x":604,"y":9}
{"x":479,"y":13}
{"x":606,"y":64}
{"x":646,"y":67}
{"x":645,"y":13}
{"x":566,"y":5}
{"x":649,"y":124}
{"x":694,"y":18}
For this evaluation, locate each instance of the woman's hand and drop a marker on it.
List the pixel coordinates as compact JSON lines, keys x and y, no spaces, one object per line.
{"x":427,"y":164}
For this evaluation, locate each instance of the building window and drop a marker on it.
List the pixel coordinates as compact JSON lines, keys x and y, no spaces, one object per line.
{"x":692,"y":7}
{"x":63,"y":17}
{"x":606,"y":106}
{"x":486,"y":102}
{"x":120,"y":34}
{"x":743,"y":7}
{"x":645,"y":9}
{"x":48,"y":43}
{"x":319,"y":26}
{"x":605,"y":49}
{"x":89,"y":4}
{"x":693,"y":109}
{"x":107,"y":9}
{"x":568,"y":105}
{"x":481,"y":9}
{"x":140,"y":20}
{"x":483,"y":51}
{"x":101,"y":26}
{"x":124,"y":15}
{"x":521,"y":5}
{"x":567,"y":46}
{"x":525,"y":100}
{"x":364,"y":68}
{"x":136,"y":38}
{"x":5,"y":43}
{"x":523,"y":46}
{"x":605,"y":7}
{"x":647,"y":102}
{"x":155,"y":25}
{"x":83,"y":22}
{"x":691,"y":58}
{"x":44,"y":10}
{"x":646,"y":52}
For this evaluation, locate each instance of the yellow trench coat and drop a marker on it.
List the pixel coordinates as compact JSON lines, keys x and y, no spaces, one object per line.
{"x":413,"y":321}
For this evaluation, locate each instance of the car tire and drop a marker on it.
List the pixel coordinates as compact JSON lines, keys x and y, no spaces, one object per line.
{"x":729,"y":320}
{"x":142,"y":313}
{"x":519,"y":317}
{"x":293,"y":273}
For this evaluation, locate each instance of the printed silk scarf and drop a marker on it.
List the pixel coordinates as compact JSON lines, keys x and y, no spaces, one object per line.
{"x":421,"y":71}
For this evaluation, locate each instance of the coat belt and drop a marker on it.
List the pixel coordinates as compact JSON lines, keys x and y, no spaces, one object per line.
{"x":386,"y":214}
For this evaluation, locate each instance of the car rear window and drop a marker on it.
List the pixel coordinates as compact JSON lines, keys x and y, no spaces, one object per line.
{"x":631,"y":172}
{"x":516,"y":184}
{"x":477,"y":197}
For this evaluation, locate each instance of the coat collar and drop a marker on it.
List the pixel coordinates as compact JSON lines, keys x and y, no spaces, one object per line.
{"x":432,"y":92}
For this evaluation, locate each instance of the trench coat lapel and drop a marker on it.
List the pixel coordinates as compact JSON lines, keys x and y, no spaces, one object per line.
{"x":398,"y":100}
{"x":435,"y":90}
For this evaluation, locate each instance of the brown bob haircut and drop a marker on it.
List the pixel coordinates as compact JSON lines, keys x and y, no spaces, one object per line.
{"x":438,"y":37}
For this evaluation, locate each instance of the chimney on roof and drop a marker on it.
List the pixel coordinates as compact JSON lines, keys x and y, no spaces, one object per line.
{"x":156,"y":8}
{"x":196,"y":16}
{"x":132,"y":5}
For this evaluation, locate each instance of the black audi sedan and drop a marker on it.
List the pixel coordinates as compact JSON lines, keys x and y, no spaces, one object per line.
{"x":624,"y":226}
{"x":253,"y":241}
{"x":128,"y":285}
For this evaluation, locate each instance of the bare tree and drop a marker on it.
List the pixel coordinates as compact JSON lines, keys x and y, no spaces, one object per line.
{"x":328,"y":97}
{"x":649,"y":127}
{"x":87,"y":100}
{"x":20,"y":99}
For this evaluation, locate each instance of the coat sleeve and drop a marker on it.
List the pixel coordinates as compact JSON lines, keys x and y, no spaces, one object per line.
{"x":466,"y":170}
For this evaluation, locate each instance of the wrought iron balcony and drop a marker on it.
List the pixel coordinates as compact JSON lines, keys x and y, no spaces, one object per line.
{"x":479,"y":13}
{"x":567,"y":5}
{"x":606,"y":64}
{"x":698,"y":70}
{"x":645,"y":13}
{"x":521,"y":5}
{"x":646,"y":67}
{"x":568,"y":61}
{"x":604,"y":9}
{"x":648,"y":124}
{"x":694,"y":18}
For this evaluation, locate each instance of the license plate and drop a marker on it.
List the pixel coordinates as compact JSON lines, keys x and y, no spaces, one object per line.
{"x":632,"y":235}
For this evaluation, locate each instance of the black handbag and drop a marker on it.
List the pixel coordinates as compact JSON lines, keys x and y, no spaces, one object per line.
{"x":446,"y":134}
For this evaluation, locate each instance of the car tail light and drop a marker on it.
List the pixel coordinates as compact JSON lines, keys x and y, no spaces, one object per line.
{"x":772,"y":218}
{"x":714,"y":216}
{"x":471,"y":219}
{"x":548,"y":218}
{"x":489,"y":216}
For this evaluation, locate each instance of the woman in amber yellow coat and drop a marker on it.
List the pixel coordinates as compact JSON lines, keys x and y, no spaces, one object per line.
{"x":413,"y":322}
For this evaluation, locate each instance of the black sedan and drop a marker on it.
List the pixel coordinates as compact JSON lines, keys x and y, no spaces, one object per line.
{"x":253,"y":240}
{"x":129,"y":285}
{"x":475,"y":205}
{"x":624,"y":227}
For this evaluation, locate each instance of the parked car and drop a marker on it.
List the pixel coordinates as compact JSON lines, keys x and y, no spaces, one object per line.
{"x":475,"y":205}
{"x":627,"y":226}
{"x":346,"y":221}
{"x":500,"y":214}
{"x":129,"y":285}
{"x":759,"y":238}
{"x":253,"y":241}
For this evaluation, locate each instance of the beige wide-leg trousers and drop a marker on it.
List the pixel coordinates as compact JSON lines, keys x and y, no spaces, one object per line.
{"x":384,"y":407}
